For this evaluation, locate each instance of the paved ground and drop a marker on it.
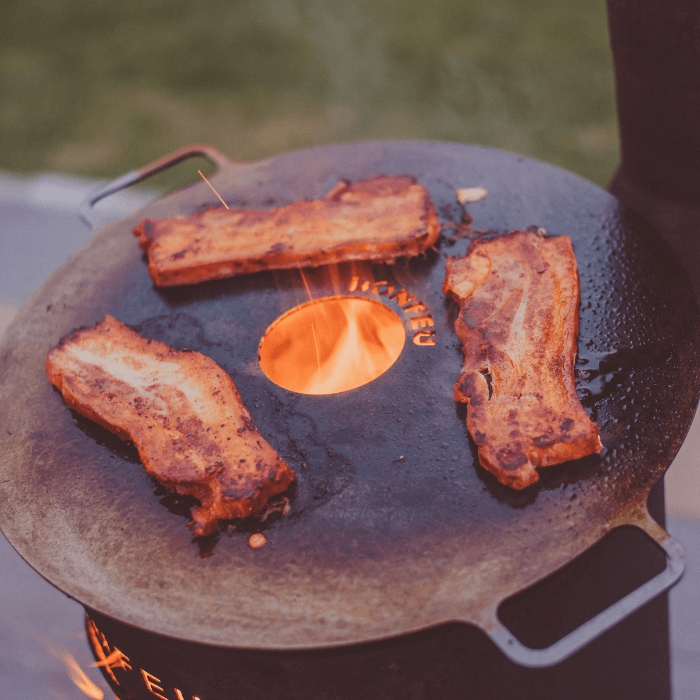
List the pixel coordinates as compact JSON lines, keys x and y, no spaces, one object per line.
{"x":40,"y":229}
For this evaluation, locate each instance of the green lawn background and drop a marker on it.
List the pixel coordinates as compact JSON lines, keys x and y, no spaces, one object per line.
{"x":99,"y":88}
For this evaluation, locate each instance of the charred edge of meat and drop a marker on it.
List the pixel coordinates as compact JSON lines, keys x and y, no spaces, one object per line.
{"x":486,"y":374}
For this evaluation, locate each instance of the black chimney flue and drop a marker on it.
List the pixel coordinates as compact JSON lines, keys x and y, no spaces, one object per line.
{"x":656,"y":49}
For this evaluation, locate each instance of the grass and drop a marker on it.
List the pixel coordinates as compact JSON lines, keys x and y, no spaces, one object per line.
{"x":99,"y":88}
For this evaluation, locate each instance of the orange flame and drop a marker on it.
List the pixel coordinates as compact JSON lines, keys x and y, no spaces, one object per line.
{"x":77,"y":675}
{"x":331,"y":345}
{"x":75,"y":672}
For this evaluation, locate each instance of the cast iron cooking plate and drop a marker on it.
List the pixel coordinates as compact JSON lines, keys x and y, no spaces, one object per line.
{"x":394,"y":527}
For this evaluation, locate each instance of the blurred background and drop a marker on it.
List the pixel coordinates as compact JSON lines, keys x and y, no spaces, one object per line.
{"x":98,"y":88}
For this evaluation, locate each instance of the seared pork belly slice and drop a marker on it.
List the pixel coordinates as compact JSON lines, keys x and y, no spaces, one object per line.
{"x":519,"y":297}
{"x":380,"y":218}
{"x":181,"y":410}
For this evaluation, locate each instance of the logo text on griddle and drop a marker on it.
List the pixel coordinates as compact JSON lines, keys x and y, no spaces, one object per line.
{"x":408,"y":303}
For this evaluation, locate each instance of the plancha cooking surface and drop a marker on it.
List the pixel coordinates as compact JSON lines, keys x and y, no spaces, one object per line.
{"x":393,"y":525}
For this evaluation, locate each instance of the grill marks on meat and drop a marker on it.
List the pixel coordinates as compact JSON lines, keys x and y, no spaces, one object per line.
{"x":181,"y":410}
{"x":519,"y":297}
{"x":380,"y":218}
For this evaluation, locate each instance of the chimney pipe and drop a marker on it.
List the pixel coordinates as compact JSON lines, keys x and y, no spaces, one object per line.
{"x":656,"y":50}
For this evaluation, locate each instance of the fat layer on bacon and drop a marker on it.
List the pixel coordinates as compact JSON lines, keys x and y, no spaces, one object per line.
{"x":519,"y":298}
{"x":181,"y":410}
{"x":380,"y":218}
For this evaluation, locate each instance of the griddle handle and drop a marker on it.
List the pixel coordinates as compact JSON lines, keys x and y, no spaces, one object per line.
{"x":134,"y":176}
{"x":588,"y":631}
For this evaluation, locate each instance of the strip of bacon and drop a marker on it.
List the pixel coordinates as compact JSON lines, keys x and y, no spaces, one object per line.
{"x":519,"y":297}
{"x":380,"y":218}
{"x":181,"y":410}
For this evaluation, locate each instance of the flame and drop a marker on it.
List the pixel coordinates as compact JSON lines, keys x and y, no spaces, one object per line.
{"x":331,"y":345}
{"x":75,"y":672}
{"x":307,"y":286}
{"x":77,"y":675}
{"x":336,"y":279}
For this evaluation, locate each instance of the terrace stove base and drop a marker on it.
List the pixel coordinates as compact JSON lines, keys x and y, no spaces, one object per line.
{"x":450,"y":662}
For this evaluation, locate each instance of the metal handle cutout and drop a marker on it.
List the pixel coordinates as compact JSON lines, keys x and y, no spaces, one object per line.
{"x":134,"y":176}
{"x":597,"y":625}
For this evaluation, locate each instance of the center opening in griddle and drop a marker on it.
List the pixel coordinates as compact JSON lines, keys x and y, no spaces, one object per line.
{"x":331,"y":345}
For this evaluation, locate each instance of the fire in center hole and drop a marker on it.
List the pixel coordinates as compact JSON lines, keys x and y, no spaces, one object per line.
{"x":331,"y":345}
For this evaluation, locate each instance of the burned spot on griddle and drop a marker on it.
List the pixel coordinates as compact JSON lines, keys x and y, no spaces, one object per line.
{"x":174,"y":502}
{"x":571,"y":472}
{"x":597,"y":374}
{"x":552,"y":478}
{"x":449,"y":211}
{"x":451,"y":309}
{"x":455,"y":221}
{"x":124,"y":450}
{"x":218,"y":290}
{"x":181,"y":331}
{"x":488,"y":233}
{"x":205,"y":205}
{"x":451,"y":233}
{"x":321,"y":472}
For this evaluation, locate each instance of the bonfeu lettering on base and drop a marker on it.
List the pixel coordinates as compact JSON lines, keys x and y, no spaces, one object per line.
{"x":151,"y":686}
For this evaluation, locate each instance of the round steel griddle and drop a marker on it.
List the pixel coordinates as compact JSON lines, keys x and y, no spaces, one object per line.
{"x":394,"y":527}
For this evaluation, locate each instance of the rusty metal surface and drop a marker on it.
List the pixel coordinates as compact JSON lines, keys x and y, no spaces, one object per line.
{"x":394,"y":527}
